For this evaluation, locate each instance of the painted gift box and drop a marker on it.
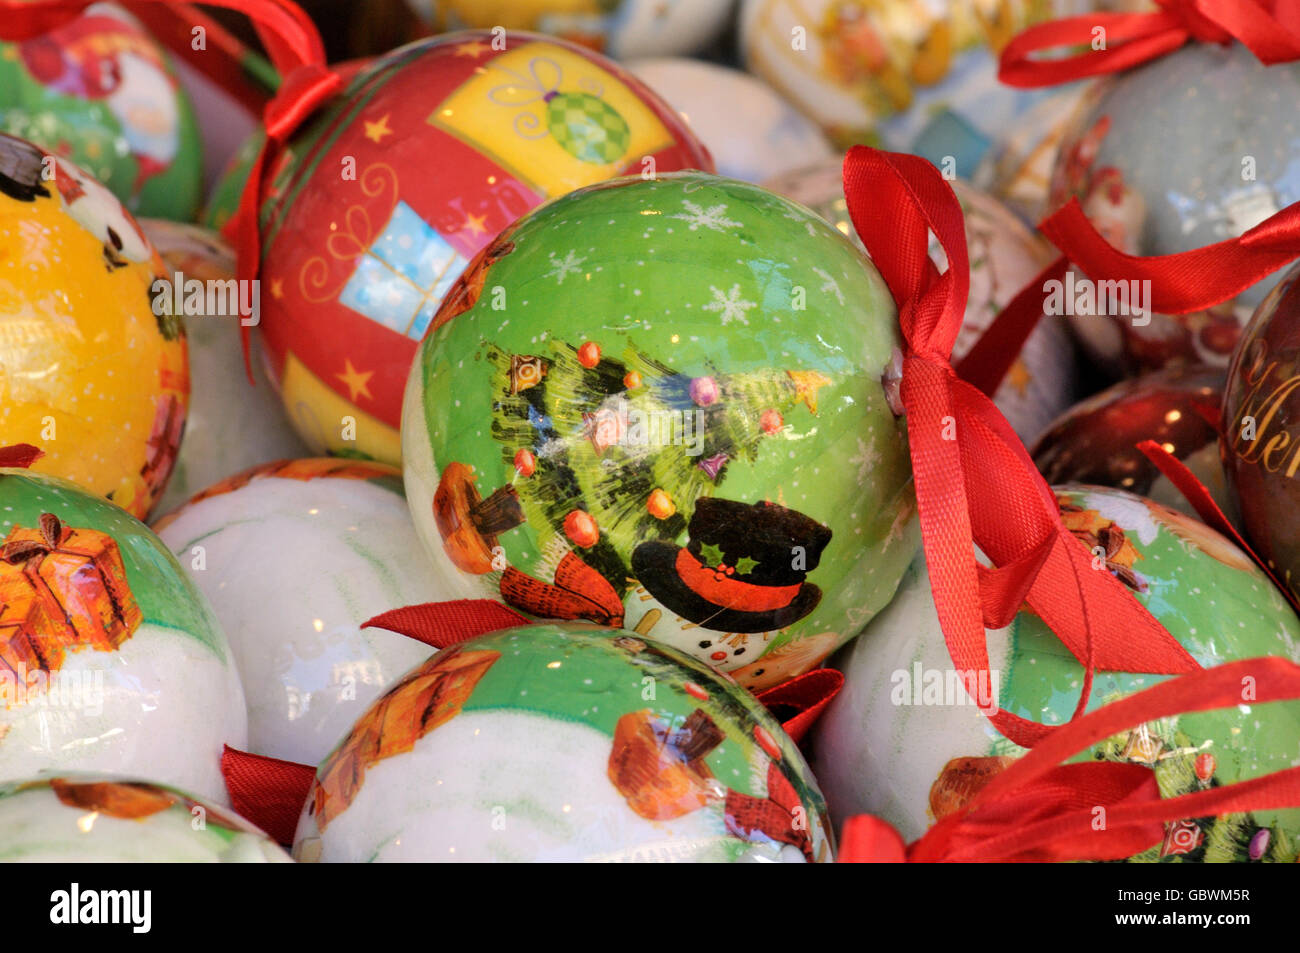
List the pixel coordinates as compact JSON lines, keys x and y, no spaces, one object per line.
{"x":61,"y":589}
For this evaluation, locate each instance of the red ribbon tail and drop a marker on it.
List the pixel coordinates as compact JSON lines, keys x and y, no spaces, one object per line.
{"x":20,"y":456}
{"x":798,"y":703}
{"x":869,"y":840}
{"x":1195,"y":493}
{"x":987,"y":362}
{"x":267,"y":791}
{"x":444,"y":624}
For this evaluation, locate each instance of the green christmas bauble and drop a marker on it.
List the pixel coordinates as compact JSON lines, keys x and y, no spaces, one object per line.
{"x":563,"y":744}
{"x":907,"y":741}
{"x":100,"y":91}
{"x":223,"y":200}
{"x":657,"y":405}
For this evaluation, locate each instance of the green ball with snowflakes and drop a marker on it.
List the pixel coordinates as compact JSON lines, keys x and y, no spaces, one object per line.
{"x":907,"y":739}
{"x":657,"y":404}
{"x":563,"y":743}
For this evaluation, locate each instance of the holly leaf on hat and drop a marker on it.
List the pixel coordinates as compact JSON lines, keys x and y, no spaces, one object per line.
{"x":711,"y":554}
{"x":745,"y":565}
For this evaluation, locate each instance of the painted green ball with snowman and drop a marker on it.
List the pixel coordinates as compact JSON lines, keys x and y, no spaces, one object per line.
{"x":659,"y":404}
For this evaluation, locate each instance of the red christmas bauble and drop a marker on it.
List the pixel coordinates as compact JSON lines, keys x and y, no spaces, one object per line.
{"x":771,"y":421}
{"x":589,"y":354}
{"x":378,"y":203}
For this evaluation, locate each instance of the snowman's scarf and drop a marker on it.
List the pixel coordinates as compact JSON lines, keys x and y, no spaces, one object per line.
{"x":975,"y":483}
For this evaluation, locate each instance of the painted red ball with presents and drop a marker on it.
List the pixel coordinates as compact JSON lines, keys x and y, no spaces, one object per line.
{"x":376,"y":206}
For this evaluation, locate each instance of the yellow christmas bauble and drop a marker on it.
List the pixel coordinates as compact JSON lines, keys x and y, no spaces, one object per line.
{"x":88,"y":371}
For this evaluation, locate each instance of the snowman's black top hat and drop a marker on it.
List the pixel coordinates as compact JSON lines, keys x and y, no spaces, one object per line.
{"x":743,"y":569}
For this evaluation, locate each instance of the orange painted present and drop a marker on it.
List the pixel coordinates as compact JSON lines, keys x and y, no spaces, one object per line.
{"x":431,"y":695}
{"x":61,"y":589}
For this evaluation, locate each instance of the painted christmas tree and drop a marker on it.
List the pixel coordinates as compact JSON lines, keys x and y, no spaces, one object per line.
{"x":1182,"y":767}
{"x":611,"y":452}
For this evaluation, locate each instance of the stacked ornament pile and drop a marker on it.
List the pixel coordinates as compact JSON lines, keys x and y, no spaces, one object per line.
{"x":522,"y":452}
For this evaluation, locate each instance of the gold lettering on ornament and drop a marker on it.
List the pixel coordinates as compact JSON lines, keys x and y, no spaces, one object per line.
{"x":1272,"y":447}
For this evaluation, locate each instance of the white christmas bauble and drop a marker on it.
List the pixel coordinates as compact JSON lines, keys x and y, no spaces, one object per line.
{"x":83,"y":818}
{"x":751,"y":131}
{"x":295,"y":556}
{"x":1004,"y":255}
{"x":619,"y":28}
{"x":232,"y":424}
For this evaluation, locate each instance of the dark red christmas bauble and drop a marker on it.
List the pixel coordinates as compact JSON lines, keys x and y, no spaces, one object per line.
{"x":1261,"y":430}
{"x":1095,"y":441}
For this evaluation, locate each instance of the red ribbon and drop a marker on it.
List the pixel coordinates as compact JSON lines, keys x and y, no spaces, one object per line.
{"x":1040,"y":810}
{"x":975,"y":483}
{"x":1180,"y":283}
{"x":267,"y":791}
{"x":296,"y":51}
{"x":20,"y":456}
{"x":1271,"y":30}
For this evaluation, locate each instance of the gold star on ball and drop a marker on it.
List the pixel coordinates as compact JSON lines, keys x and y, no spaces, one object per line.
{"x":375,"y":131}
{"x":357,"y":382}
{"x":807,"y":384}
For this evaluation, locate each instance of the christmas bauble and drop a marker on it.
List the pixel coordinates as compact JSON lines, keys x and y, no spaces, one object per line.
{"x":905,"y":739}
{"x":910,"y":75}
{"x":1185,"y":151}
{"x":739,"y":343}
{"x":110,"y":658}
{"x":619,"y":28}
{"x":751,"y":132}
{"x":1004,"y":256}
{"x":85,"y":818}
{"x":232,"y":424}
{"x":100,"y":91}
{"x":564,"y":743}
{"x":343,"y":528}
{"x":1260,"y":413}
{"x":1096,"y":440}
{"x":223,"y":200}
{"x":385,"y":195}
{"x":1017,"y":169}
{"x":93,"y":366}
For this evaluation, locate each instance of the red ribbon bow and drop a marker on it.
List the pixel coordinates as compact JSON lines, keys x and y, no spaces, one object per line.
{"x":975,"y":483}
{"x":296,"y":51}
{"x":1040,"y":810}
{"x":1271,"y":30}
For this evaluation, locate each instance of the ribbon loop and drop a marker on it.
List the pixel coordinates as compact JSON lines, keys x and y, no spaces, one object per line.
{"x":975,"y":483}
